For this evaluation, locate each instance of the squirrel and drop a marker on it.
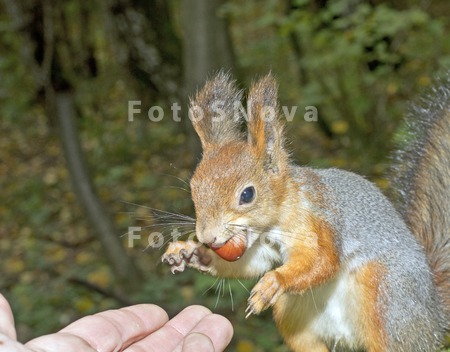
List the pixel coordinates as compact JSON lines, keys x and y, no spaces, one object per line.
{"x":341,"y":267}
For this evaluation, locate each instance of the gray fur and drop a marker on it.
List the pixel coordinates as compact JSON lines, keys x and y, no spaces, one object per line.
{"x":213,"y":111}
{"x":372,"y":230}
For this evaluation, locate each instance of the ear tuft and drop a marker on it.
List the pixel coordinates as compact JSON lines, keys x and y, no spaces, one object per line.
{"x":213,"y":111}
{"x":265,"y":130}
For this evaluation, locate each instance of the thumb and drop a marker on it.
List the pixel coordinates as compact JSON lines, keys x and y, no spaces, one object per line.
{"x":197,"y":342}
{"x":6,"y":319}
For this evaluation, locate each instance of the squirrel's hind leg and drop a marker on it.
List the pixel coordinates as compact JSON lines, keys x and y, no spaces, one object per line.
{"x":307,"y":342}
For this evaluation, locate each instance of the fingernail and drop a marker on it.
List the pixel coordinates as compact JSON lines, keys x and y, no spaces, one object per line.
{"x":197,"y":342}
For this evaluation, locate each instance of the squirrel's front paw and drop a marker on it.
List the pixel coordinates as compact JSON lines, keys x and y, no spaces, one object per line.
{"x":180,"y":254}
{"x":265,"y":293}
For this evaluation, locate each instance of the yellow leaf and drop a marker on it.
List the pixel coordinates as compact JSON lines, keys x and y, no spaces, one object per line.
{"x":340,"y":162}
{"x":51,"y":176}
{"x":424,"y":81}
{"x":14,"y":265}
{"x":339,"y":127}
{"x":84,"y":304}
{"x":382,"y":183}
{"x":26,"y":277}
{"x":187,"y":293}
{"x":392,"y":88}
{"x":122,"y":218}
{"x":100,"y":277}
{"x":245,"y":346}
{"x":84,"y":257}
{"x":56,"y":254}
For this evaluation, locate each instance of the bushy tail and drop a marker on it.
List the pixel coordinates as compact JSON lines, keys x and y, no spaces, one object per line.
{"x":422,"y":170}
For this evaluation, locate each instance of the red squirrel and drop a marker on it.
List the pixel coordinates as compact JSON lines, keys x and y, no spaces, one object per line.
{"x":340,"y":266}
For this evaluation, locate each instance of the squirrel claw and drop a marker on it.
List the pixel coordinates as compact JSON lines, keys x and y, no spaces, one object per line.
{"x":265,"y":293}
{"x":178,"y":268}
{"x":249,"y":312}
{"x":182,"y":254}
{"x":178,"y":254}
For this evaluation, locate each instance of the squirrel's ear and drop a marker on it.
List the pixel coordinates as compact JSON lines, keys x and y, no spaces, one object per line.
{"x":265,"y":130}
{"x":212,"y":111}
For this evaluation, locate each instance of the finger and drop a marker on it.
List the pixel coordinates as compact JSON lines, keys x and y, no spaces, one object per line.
{"x":171,"y":334}
{"x":197,"y":342}
{"x":217,"y":328}
{"x":108,"y":331}
{"x":59,"y":342}
{"x":6,"y":319}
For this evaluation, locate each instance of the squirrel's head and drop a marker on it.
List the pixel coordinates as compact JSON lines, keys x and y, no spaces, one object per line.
{"x":241,"y":180}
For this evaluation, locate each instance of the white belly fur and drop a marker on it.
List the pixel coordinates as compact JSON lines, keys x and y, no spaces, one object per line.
{"x":329,"y":311}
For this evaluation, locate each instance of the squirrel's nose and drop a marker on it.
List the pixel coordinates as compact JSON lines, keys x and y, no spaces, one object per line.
{"x":208,"y":240}
{"x":206,"y":235}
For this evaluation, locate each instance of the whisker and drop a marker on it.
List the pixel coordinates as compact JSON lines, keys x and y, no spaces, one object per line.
{"x":240,"y":282}
{"x":151,"y":245}
{"x":162,"y":219}
{"x":251,"y":227}
{"x":167,"y":239}
{"x":172,"y":216}
{"x":281,"y":234}
{"x":159,"y":212}
{"x":219,"y":286}
{"x":178,"y":178}
{"x":130,"y":213}
{"x":171,"y":224}
{"x":166,"y":221}
{"x":231,"y":296}
{"x":210,"y":287}
{"x":287,"y":239}
{"x":314,"y":300}
{"x":176,"y":187}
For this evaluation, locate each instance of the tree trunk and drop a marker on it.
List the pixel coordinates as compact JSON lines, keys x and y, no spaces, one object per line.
{"x":206,"y":48}
{"x":59,"y":106}
{"x":86,"y":195}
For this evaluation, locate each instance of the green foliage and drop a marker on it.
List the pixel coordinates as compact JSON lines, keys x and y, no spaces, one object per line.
{"x":358,"y":63}
{"x":357,"y":59}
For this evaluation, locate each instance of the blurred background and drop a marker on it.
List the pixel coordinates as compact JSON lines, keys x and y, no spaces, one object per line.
{"x":76,"y":173}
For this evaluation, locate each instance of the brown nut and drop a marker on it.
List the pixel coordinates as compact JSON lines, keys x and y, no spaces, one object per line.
{"x":233,"y":249}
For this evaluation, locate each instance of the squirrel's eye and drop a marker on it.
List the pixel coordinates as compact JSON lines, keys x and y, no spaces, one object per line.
{"x":247,"y":195}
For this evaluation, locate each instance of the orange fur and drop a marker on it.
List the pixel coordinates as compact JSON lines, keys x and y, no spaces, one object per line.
{"x":256,"y":128}
{"x":314,"y":258}
{"x":370,"y":316}
{"x":307,"y":342}
{"x":313,"y":261}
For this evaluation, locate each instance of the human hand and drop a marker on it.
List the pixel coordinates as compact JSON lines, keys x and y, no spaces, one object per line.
{"x":138,"y":328}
